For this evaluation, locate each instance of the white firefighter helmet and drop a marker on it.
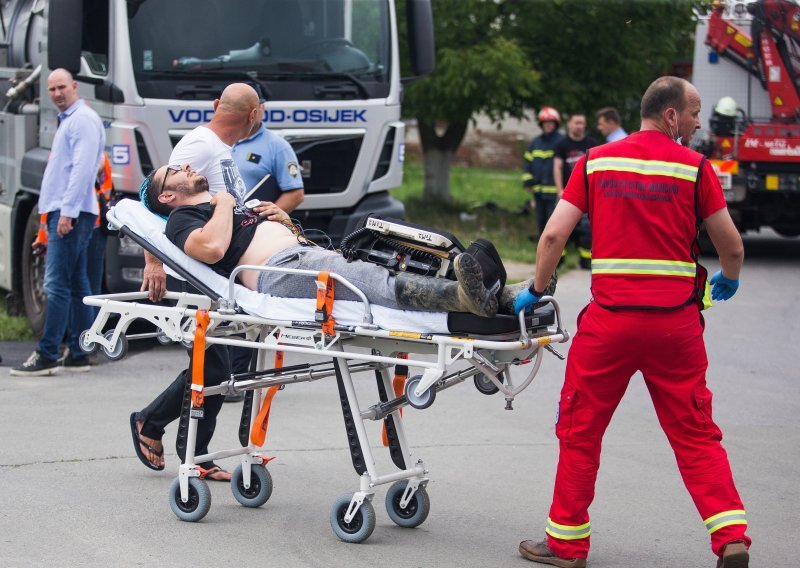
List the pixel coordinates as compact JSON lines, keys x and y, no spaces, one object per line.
{"x":726,"y":106}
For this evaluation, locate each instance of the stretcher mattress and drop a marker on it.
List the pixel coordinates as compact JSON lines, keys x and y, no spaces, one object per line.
{"x":132,"y":214}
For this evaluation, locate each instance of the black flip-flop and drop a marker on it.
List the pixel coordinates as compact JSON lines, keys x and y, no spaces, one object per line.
{"x":138,"y":443}
{"x":207,"y":473}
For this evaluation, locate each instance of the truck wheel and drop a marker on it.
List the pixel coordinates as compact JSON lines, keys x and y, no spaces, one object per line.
{"x":33,"y":296}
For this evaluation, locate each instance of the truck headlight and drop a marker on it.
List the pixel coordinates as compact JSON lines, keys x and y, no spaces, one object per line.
{"x":128,"y":247}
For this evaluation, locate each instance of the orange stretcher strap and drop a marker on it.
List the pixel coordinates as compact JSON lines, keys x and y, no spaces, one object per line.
{"x":258,"y":435}
{"x":199,"y":359}
{"x":325,"y":294}
{"x":399,"y":386}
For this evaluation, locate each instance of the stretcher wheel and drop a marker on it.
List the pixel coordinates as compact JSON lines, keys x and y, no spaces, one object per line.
{"x":260,"y":488}
{"x":420,"y":402}
{"x":362,"y":525}
{"x":485,"y":385}
{"x":87,"y":346}
{"x":414,"y":513}
{"x":198,"y":504}
{"x":120,"y":348}
{"x":163,"y":339}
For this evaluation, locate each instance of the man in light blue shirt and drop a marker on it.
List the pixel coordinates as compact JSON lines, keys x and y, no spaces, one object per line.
{"x":269,"y":168}
{"x":608,"y":123}
{"x":68,"y":197}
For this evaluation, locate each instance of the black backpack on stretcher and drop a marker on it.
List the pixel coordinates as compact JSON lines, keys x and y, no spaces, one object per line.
{"x":401,"y":246}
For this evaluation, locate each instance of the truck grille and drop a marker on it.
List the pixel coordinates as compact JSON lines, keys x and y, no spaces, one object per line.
{"x":327,"y":163}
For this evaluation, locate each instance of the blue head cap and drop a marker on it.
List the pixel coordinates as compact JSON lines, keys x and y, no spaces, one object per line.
{"x":143,"y":194}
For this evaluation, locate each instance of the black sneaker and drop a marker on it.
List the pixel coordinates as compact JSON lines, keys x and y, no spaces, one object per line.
{"x":35,"y":366}
{"x":75,"y":364}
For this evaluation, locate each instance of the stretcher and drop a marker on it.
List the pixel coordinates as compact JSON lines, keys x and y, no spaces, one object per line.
{"x":436,"y":345}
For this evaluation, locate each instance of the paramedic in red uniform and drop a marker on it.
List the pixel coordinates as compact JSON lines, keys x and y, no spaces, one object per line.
{"x":645,"y":196}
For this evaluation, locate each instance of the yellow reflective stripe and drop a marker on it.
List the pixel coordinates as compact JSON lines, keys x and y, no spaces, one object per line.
{"x":643,"y":261}
{"x":567,"y":532}
{"x":707,"y":301}
{"x":545,"y":189}
{"x":526,"y":176}
{"x":584,"y":253}
{"x":544,"y":154}
{"x":643,"y":266}
{"x":644,"y":167}
{"x":725,"y":519}
{"x":641,"y":271}
{"x":528,"y":156}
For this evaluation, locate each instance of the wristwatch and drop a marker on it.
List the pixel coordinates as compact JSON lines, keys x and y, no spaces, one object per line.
{"x":535,"y":292}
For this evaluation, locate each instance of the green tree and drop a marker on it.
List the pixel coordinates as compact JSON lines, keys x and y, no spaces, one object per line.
{"x":593,"y":53}
{"x":479,"y":69}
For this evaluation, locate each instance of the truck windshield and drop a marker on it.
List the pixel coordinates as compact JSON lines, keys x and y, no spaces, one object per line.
{"x":335,"y":43}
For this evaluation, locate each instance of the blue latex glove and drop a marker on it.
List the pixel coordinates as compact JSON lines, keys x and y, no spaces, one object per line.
{"x":524,"y":300}
{"x":722,"y":288}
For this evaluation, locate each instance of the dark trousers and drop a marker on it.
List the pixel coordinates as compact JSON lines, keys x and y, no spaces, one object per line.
{"x":167,"y":406}
{"x":545,"y":205}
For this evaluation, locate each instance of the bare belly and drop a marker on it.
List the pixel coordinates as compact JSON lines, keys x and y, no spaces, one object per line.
{"x":270,"y":237}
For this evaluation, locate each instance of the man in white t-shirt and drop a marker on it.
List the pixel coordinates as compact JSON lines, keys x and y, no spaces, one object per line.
{"x":207,"y":149}
{"x":206,"y":152}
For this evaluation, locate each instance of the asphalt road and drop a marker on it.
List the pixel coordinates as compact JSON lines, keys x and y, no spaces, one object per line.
{"x":72,"y":493}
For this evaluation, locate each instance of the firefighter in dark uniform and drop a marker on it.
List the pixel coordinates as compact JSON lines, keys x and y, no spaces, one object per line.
{"x":538,"y":169}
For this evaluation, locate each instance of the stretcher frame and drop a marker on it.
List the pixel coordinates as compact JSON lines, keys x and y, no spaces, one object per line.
{"x":352,"y":517}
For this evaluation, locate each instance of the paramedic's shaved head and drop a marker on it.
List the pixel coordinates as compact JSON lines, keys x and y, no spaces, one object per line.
{"x":664,"y":93}
{"x":235,"y":112}
{"x":62,"y":88}
{"x":672,"y":106}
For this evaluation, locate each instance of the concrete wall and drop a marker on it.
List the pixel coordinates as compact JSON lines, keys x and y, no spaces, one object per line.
{"x":485,"y":145}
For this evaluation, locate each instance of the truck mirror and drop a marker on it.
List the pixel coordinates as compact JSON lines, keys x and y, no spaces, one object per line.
{"x":64,"y":42}
{"x":422,"y":49}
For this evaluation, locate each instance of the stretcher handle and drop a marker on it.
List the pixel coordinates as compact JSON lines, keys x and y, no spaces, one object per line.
{"x":312,"y":273}
{"x":523,"y":329}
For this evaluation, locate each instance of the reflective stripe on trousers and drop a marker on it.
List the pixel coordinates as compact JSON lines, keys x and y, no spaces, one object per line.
{"x":725,"y":519}
{"x":567,"y":532}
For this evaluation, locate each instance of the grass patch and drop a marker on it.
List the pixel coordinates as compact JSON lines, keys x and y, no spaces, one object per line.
{"x":485,"y":204}
{"x":13,"y":328}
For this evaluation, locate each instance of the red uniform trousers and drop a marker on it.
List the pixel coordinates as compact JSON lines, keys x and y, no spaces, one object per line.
{"x":668,"y":348}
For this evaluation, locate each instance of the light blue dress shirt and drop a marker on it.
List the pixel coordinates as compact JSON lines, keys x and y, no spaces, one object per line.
{"x":68,"y":182}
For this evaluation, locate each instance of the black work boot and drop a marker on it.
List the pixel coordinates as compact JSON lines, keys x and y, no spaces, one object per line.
{"x":509,"y":294}
{"x":734,"y":555}
{"x":468,"y":294}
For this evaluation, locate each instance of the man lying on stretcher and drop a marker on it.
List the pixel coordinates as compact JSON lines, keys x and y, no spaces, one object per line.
{"x":214,"y":231}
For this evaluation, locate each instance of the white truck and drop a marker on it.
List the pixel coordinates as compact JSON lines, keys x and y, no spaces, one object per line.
{"x":330,"y":70}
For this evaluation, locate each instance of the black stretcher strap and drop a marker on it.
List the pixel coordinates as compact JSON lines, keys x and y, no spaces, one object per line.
{"x":458,"y":322}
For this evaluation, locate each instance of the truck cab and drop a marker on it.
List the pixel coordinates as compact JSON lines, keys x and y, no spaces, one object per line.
{"x":330,"y":71}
